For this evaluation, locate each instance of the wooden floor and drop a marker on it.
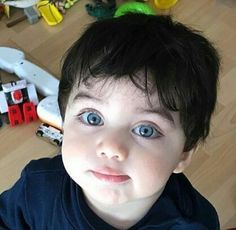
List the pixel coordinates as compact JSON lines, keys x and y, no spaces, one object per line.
{"x":213,"y":170}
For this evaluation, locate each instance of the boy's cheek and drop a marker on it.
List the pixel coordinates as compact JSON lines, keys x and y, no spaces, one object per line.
{"x":75,"y":145}
{"x":72,"y":144}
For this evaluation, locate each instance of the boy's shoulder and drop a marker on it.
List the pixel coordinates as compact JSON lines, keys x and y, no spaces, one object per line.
{"x":44,"y":173}
{"x":190,"y":202}
{"x":33,"y":197}
{"x":45,"y":165}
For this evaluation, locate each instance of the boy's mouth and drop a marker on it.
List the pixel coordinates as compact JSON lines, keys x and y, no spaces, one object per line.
{"x":109,"y":175}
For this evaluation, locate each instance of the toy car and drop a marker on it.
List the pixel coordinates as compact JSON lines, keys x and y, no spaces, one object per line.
{"x":50,"y":133}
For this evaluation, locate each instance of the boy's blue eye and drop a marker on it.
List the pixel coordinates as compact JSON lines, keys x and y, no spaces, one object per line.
{"x":146,"y":131}
{"x":91,"y":118}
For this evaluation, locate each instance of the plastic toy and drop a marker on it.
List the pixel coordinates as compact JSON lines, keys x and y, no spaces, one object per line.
{"x":50,"y":133}
{"x":70,"y":3}
{"x":164,"y":4}
{"x":12,"y":61}
{"x":18,"y":3}
{"x":135,"y":7}
{"x":21,"y":3}
{"x":101,"y":10}
{"x":48,"y":111}
{"x":18,"y":99}
{"x":29,"y":13}
{"x":8,"y":57}
{"x":49,"y":12}
{"x":60,"y":5}
{"x":4,"y":9}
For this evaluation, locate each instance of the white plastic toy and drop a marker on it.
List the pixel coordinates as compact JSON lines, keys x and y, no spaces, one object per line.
{"x":48,"y":111}
{"x":13,"y":61}
{"x":9,"y":56}
{"x":21,"y":3}
{"x":50,"y":133}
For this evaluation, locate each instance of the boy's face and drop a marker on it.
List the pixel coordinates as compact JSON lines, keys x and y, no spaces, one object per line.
{"x":117,"y":147}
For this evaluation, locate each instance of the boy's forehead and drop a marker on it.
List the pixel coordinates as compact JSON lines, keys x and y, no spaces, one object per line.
{"x":122,"y":88}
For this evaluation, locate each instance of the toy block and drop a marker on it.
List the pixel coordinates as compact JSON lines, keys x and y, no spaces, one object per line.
{"x":14,"y":115}
{"x":29,"y":112}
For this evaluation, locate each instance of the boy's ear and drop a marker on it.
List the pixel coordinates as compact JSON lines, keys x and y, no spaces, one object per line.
{"x":185,"y":160}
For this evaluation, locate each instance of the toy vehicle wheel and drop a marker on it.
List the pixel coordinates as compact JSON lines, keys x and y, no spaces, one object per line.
{"x":58,"y":143}
{"x":39,"y":133}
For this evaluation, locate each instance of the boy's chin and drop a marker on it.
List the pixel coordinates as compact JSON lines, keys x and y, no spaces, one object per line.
{"x":106,"y":198}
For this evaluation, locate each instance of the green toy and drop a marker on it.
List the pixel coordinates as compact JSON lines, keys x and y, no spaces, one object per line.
{"x":69,"y":3}
{"x":101,"y":10}
{"x":134,"y":7}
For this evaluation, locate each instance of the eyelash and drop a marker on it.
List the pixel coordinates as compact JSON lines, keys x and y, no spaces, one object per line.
{"x":80,"y":116}
{"x":155,"y":130}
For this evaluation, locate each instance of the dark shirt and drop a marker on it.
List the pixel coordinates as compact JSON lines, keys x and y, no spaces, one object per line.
{"x":46,"y":198}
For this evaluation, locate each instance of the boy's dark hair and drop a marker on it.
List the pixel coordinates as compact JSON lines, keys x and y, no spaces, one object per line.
{"x":182,"y":64}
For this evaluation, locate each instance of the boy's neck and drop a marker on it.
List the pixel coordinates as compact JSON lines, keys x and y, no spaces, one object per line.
{"x":123,"y":216}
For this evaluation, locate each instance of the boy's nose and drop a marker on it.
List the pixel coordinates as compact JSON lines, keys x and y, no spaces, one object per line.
{"x":112,"y":148}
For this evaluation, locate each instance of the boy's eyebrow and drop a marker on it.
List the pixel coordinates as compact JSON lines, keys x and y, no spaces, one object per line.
{"x":85,"y":95}
{"x":161,"y":112}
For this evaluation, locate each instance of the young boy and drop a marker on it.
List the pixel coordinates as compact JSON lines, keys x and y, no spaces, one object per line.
{"x":136,"y":96}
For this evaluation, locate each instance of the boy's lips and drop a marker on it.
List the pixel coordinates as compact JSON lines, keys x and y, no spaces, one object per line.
{"x":110,"y":175}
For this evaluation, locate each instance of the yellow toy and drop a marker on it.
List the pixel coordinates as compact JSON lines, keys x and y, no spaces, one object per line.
{"x":4,"y":9}
{"x":164,"y":4}
{"x":49,"y":12}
